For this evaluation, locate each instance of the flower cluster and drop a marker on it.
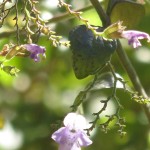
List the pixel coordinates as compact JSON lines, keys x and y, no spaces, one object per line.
{"x":72,"y":136}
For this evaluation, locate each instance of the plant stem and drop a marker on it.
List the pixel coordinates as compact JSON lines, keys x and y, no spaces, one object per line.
{"x":124,"y":60}
{"x":64,"y":16}
{"x":55,"y":19}
{"x":103,"y":16}
{"x":133,"y":76}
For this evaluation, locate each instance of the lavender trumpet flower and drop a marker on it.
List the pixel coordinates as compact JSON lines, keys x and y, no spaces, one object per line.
{"x":72,"y":136}
{"x":35,"y":51}
{"x":133,"y":37}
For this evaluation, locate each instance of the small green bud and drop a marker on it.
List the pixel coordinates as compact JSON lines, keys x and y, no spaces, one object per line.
{"x":45,"y":30}
{"x":11,"y":70}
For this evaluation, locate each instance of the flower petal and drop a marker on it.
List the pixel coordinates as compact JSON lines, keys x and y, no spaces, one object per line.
{"x":72,"y":136}
{"x":35,"y":51}
{"x":58,"y":135}
{"x":84,"y":139}
{"x":133,"y":37}
{"x":75,"y":121}
{"x":69,"y":147}
{"x":134,"y":42}
{"x":64,"y":136}
{"x":67,"y":139}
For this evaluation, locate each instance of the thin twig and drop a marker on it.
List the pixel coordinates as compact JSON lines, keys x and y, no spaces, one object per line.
{"x":52,"y":20}
{"x":82,"y":95}
{"x":103,"y":16}
{"x":16,"y":24}
{"x":64,"y":16}
{"x":130,"y":71}
{"x":133,"y":77}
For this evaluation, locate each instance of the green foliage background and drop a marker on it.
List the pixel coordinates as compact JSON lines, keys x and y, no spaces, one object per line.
{"x":37,"y":100}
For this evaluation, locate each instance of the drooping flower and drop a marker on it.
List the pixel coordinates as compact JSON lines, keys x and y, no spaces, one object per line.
{"x":133,"y":37}
{"x":72,"y":136}
{"x":117,"y":31}
{"x":35,"y":51}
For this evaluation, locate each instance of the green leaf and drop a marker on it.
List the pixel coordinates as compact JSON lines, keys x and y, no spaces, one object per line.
{"x":128,"y":12}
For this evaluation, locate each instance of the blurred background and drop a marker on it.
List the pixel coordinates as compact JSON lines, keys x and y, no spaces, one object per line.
{"x":35,"y":102}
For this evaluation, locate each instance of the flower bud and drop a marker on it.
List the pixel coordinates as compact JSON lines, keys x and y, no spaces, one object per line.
{"x":11,"y":70}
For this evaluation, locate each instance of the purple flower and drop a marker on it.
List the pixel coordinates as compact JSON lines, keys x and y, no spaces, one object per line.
{"x":72,"y":136}
{"x":133,"y":37}
{"x":35,"y":51}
